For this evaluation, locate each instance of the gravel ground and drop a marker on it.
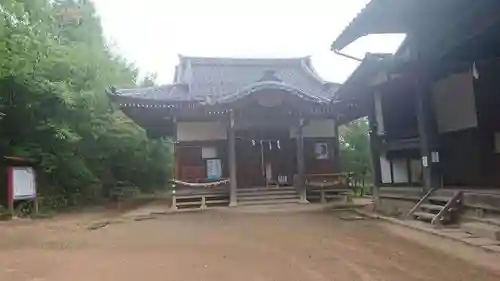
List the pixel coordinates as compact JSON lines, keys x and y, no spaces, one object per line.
{"x":232,"y":246}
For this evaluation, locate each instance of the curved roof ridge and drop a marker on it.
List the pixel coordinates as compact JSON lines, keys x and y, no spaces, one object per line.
{"x":256,"y":86}
{"x":310,"y":71}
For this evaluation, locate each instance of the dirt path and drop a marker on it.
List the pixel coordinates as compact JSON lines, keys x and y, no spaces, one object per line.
{"x":235,"y":246}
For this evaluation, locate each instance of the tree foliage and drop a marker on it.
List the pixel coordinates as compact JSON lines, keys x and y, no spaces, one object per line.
{"x":355,"y":148}
{"x":54,"y":72}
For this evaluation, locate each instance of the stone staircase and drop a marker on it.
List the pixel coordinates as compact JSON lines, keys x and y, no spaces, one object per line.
{"x":437,"y":207}
{"x":267,"y":196}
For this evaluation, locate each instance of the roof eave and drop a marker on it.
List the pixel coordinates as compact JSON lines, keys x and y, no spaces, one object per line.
{"x":374,"y":18}
{"x":358,"y":81}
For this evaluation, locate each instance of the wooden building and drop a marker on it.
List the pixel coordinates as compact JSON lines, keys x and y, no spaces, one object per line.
{"x":256,"y":122}
{"x":434,"y":113}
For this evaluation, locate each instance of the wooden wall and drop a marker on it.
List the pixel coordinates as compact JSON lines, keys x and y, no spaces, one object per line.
{"x":189,"y":162}
{"x":190,"y":165}
{"x":467,"y":156}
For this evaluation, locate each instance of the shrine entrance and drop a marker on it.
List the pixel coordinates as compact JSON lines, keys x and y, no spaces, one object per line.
{"x":265,"y":157}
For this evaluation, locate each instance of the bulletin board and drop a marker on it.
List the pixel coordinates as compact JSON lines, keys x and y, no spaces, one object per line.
{"x":23,"y":183}
{"x":214,"y":168}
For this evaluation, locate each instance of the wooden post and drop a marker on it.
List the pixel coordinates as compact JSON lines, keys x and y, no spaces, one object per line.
{"x":429,"y":137}
{"x":203,"y":202}
{"x":391,"y":169}
{"x":300,"y":163}
{"x":35,"y":200}
{"x":10,"y":190}
{"x":408,"y":171}
{"x":375,"y":146}
{"x":427,"y":125}
{"x":233,"y":201}
{"x":177,"y":169}
{"x":173,"y":207}
{"x":336,"y":148}
{"x":323,"y":196}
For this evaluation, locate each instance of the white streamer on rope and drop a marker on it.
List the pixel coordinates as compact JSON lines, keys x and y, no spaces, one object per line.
{"x":206,"y":184}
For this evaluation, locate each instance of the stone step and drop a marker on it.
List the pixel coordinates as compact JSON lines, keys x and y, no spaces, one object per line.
{"x":265,"y":189}
{"x":482,"y":230}
{"x":269,"y":197}
{"x":443,"y":199}
{"x":264,"y":193}
{"x":431,"y":207}
{"x":267,"y":202}
{"x":217,"y":201}
{"x":190,"y":203}
{"x":424,"y":216}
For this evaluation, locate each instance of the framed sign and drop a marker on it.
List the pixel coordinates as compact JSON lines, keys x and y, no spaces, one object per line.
{"x":23,"y":183}
{"x":214,"y":168}
{"x":321,"y":150}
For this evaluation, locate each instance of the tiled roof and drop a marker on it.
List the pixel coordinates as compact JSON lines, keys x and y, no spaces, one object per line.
{"x":357,"y":83}
{"x":403,"y":16}
{"x":214,"y":80}
{"x":172,"y":92}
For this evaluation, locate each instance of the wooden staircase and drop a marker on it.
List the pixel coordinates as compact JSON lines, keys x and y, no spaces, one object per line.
{"x":267,"y":196}
{"x":437,"y":208}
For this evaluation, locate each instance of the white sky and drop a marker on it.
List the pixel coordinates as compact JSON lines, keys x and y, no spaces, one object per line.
{"x":151,"y":33}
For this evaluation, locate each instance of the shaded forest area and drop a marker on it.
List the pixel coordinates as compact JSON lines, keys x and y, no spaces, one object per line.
{"x":55,"y":68}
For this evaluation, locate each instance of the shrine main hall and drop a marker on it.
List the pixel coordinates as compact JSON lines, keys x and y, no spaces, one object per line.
{"x":252,"y":122}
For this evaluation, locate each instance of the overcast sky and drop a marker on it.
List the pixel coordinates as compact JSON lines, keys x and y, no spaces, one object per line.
{"x":152,"y":33}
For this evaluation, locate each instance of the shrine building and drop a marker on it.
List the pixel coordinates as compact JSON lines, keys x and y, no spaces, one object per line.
{"x":253,"y":122}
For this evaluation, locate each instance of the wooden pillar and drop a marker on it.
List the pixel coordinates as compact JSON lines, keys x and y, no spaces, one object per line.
{"x":300,"y":163}
{"x":408,"y":171}
{"x":177,"y":167}
{"x":337,"y":161}
{"x":233,"y":201}
{"x":10,"y":191}
{"x":427,"y":131}
{"x":427,"y":124}
{"x":391,"y":167}
{"x":375,"y":146}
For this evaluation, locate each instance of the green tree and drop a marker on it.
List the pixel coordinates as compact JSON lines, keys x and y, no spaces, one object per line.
{"x":55,"y":69}
{"x":355,"y":148}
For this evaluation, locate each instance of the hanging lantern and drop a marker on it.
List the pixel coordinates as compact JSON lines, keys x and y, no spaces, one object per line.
{"x":278,"y":144}
{"x":270,"y":145}
{"x":253,"y":142}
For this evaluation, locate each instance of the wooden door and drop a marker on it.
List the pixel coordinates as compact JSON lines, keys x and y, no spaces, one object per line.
{"x":248,"y":159}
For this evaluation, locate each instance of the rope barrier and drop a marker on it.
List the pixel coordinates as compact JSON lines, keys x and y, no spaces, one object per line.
{"x":206,"y":184}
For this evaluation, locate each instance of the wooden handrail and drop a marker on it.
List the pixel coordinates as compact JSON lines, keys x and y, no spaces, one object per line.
{"x":420,"y":202}
{"x":446,"y":209}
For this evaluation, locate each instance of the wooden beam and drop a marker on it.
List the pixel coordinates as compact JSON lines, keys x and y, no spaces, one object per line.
{"x":233,"y":200}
